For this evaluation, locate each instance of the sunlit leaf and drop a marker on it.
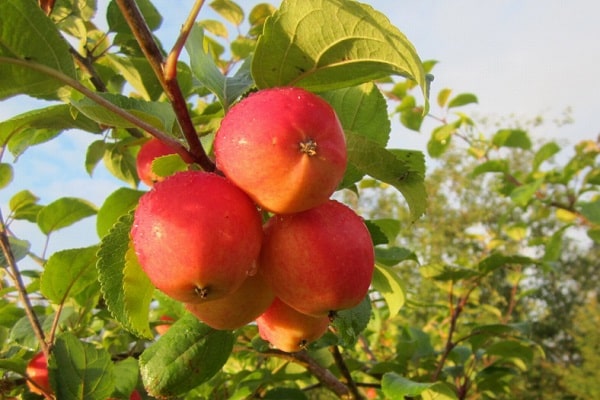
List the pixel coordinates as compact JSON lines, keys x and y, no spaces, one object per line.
{"x":6,"y":174}
{"x":544,"y":153}
{"x":512,"y":138}
{"x":387,"y":282}
{"x":590,"y":210}
{"x":395,"y":386}
{"x":348,"y":324}
{"x":462,"y":100}
{"x":228,"y":10}
{"x":19,"y":248}
{"x":117,"y":204}
{"x":64,"y":212}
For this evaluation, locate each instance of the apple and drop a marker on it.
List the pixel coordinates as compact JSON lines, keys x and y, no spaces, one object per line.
{"x":289,"y":330}
{"x":196,"y":236}
{"x":283,"y":146}
{"x":238,"y":308}
{"x":149,"y":151}
{"x":320,"y":260}
{"x":161,"y":329}
{"x":37,"y":374}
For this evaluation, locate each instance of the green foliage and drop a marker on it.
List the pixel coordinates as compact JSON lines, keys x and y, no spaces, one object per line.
{"x":467,"y":298}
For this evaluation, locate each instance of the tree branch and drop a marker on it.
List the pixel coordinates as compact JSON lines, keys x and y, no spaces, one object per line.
{"x":143,"y":35}
{"x":323,"y":375}
{"x":341,"y":364}
{"x":15,"y":275}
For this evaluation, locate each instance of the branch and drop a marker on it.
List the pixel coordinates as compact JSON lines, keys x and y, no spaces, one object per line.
{"x":143,"y":35}
{"x":101,"y":101}
{"x":15,"y":274}
{"x":323,"y":375}
{"x":341,"y":364}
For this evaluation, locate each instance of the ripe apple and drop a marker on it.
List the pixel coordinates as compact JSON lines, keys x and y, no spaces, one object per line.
{"x":149,"y":151}
{"x":37,"y":374}
{"x":320,"y":260}
{"x":289,"y":330}
{"x":161,"y":329}
{"x":196,"y":235}
{"x":238,"y":308}
{"x":283,"y":146}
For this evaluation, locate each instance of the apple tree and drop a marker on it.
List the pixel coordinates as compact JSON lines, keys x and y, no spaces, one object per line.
{"x":237,"y":259}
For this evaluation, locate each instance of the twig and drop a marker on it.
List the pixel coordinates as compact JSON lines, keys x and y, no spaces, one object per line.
{"x":143,"y":35}
{"x":341,"y":364}
{"x":15,"y":274}
{"x":323,"y":375}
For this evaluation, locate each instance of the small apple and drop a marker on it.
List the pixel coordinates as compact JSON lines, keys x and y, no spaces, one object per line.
{"x":283,"y":146}
{"x":320,"y":260}
{"x":238,"y":308}
{"x":289,"y":330}
{"x":149,"y":151}
{"x":196,"y":236}
{"x":161,"y":329}
{"x":37,"y":374}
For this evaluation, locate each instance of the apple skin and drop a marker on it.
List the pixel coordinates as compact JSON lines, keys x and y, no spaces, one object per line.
{"x":238,"y":308}
{"x":196,"y":236}
{"x":318,"y":261}
{"x":37,"y":371}
{"x":161,"y":329}
{"x":283,"y":146}
{"x":149,"y":151}
{"x":289,"y":330}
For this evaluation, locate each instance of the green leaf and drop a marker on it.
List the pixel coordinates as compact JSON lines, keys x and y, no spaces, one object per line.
{"x":95,"y":153}
{"x":120,"y":159}
{"x":78,"y":370}
{"x":6,"y":174}
{"x":544,"y":153}
{"x":165,"y":365}
{"x":308,"y":43}
{"x":522,"y":195}
{"x":167,"y":165}
{"x":443,"y":96}
{"x":64,"y":212}
{"x":520,"y":354}
{"x":125,"y":287}
{"x":439,"y":391}
{"x":394,"y":255}
{"x":227,"y":89}
{"x":10,"y":313}
{"x":387,"y":282}
{"x":395,"y":386}
{"x":403,"y":169}
{"x":37,"y":126}
{"x":117,"y":204}
{"x":139,"y":74}
{"x":20,"y":249}
{"x":117,"y":23}
{"x":69,"y":272}
{"x":126,"y":373}
{"x":215,"y":27}
{"x":26,"y":33}
{"x":377,"y":235}
{"x":158,"y":114}
{"x":229,"y":10}
{"x":515,"y":138}
{"x":362,"y":110}
{"x":462,"y":100}
{"x":389,"y":226}
{"x":23,"y":206}
{"x":590,"y":210}
{"x":498,"y":260}
{"x":490,"y":166}
{"x":441,"y":138}
{"x":350,"y":323}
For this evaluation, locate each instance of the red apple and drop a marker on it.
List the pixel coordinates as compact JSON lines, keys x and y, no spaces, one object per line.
{"x":197,"y":236}
{"x":320,"y":260}
{"x":37,"y":374}
{"x":285,"y":147}
{"x":161,"y":329}
{"x":289,"y":330}
{"x":149,"y":151}
{"x":238,"y":308}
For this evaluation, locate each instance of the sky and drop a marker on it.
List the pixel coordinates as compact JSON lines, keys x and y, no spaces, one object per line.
{"x":522,"y":58}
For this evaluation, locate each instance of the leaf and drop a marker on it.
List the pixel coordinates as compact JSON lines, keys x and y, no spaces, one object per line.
{"x":139,"y":74}
{"x":515,"y":138}
{"x":389,"y":226}
{"x":490,"y":166}
{"x":362,"y":110}
{"x":441,"y":138}
{"x":26,"y":33}
{"x":395,"y":386}
{"x":95,"y":153}
{"x":439,"y":391}
{"x":126,"y":373}
{"x":117,"y":23}
{"x":590,"y":210}
{"x":6,"y":174}
{"x":518,"y":353}
{"x":544,"y":153}
{"x":126,"y":289}
{"x":164,"y":166}
{"x":187,"y":355}
{"x":350,"y":323}
{"x":498,"y":260}
{"x":377,"y":235}
{"x":78,"y":370}
{"x":327,"y":44}
{"x":20,"y":250}
{"x":158,"y":114}
{"x":228,"y":10}
{"x":403,"y":169}
{"x":119,"y":160}
{"x":64,"y":212}
{"x":394,"y":255}
{"x":117,"y":204}
{"x":68,"y":272}
{"x":522,"y":195}
{"x":462,"y":100}
{"x":443,"y":96}
{"x":227,"y":89}
{"x":387,"y":282}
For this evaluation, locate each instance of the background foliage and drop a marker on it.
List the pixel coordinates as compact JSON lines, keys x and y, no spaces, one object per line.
{"x":486,"y":282}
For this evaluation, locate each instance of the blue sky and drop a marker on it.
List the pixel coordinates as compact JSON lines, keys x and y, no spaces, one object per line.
{"x":520,"y":57}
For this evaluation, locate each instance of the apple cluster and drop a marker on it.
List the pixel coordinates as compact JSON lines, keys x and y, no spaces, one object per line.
{"x":260,"y":240}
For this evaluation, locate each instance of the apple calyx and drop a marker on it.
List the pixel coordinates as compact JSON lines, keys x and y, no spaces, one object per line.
{"x":309,"y":147}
